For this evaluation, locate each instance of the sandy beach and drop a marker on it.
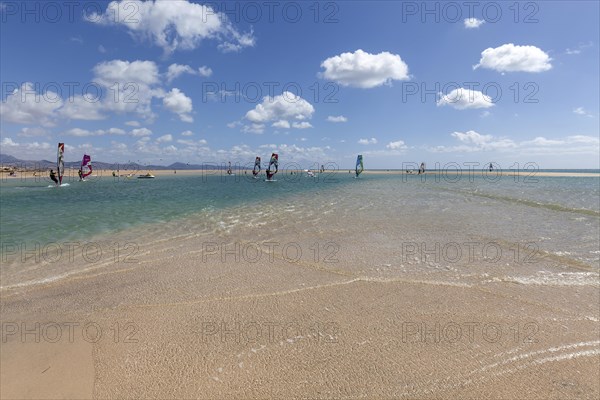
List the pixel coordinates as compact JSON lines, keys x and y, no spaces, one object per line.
{"x":316,"y":335}
{"x":270,"y":307}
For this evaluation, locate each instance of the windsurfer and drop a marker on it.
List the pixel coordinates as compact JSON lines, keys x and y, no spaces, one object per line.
{"x":53,"y":176}
{"x":80,"y":174}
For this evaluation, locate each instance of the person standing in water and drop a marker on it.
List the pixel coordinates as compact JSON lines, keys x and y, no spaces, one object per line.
{"x":491,"y":167}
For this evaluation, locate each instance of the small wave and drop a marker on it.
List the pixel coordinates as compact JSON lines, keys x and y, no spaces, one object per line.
{"x":414,"y":281}
{"x":52,"y":279}
{"x":557,"y":279}
{"x":530,"y":203}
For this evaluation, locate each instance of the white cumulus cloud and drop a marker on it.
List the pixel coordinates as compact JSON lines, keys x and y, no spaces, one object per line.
{"x":463,"y":99}
{"x":128,"y":87}
{"x":33,"y":131}
{"x":165,"y":138}
{"x":367,"y":141}
{"x":295,"y":153}
{"x":472,"y":141}
{"x":178,"y":103}
{"x":85,"y":107}
{"x":174,"y":25}
{"x":397,"y":145}
{"x":582,"y":111}
{"x":33,"y":150}
{"x":301,"y":125}
{"x":254,"y":128}
{"x":472,"y":137}
{"x":139,"y":132}
{"x":282,"y":124}
{"x":364,"y":70}
{"x":579,"y":49}
{"x":78,"y":132}
{"x":511,"y":58}
{"x":176,"y":70}
{"x":205,"y":71}
{"x":473,"y":23}
{"x":142,"y":72}
{"x":27,"y":106}
{"x":339,"y":118}
{"x":280,"y":110}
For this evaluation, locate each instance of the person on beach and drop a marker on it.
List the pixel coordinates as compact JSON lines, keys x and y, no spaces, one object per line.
{"x":422,"y":168}
{"x":53,"y":176}
{"x":491,"y":167}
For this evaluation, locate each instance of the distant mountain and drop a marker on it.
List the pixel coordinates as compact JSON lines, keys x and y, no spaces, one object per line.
{"x":182,"y":166}
{"x":10,"y":161}
{"x":6,"y":159}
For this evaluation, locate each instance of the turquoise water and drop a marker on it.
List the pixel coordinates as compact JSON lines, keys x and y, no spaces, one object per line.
{"x":367,"y":218}
{"x":32,"y":212}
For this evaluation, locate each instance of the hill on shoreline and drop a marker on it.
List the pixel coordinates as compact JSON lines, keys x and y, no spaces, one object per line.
{"x":37,"y":165}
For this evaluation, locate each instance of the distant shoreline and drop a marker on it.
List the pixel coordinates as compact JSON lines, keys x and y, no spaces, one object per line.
{"x":28,"y":174}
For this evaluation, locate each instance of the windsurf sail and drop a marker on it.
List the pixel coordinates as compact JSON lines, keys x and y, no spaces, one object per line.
{"x":256,"y":169}
{"x":86,"y":166}
{"x":273,"y":166}
{"x":359,"y":165}
{"x":60,"y":163}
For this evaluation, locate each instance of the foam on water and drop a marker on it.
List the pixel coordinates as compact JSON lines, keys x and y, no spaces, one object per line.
{"x":558,"y":279}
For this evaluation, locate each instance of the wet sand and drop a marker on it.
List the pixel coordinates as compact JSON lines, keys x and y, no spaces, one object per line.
{"x":343,"y":339}
{"x":173,"y":326}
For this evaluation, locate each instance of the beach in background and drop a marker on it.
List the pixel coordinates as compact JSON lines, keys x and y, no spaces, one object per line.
{"x":71,"y":174}
{"x":203,"y":285}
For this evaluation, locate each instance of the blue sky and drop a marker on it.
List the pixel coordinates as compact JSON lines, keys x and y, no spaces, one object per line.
{"x":187,"y":81}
